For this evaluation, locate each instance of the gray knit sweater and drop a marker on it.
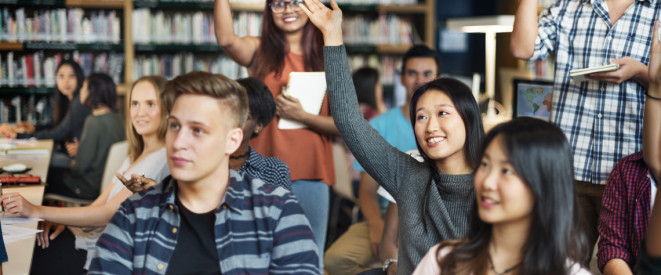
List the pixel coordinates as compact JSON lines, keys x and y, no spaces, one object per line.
{"x":448,"y":202}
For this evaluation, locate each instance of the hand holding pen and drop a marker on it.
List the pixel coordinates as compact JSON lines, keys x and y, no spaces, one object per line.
{"x":15,"y":204}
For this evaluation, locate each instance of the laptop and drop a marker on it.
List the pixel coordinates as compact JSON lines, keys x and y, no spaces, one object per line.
{"x":532,"y":98}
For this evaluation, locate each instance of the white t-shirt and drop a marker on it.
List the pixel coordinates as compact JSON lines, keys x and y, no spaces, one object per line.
{"x":429,"y":263}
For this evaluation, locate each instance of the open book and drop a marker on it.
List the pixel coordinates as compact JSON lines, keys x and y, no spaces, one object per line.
{"x":309,"y":88}
{"x":578,"y":75}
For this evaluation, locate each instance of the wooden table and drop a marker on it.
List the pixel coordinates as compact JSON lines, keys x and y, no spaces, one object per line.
{"x":20,"y":253}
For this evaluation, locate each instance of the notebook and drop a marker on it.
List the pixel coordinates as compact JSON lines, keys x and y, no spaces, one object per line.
{"x":309,"y":88}
{"x":578,"y":75}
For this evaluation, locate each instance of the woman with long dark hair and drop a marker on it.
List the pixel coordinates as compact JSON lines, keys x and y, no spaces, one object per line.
{"x":434,"y":197}
{"x":526,"y":216}
{"x":288,"y":43}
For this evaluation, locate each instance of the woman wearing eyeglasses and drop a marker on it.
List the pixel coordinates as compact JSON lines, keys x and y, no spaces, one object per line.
{"x":288,"y":43}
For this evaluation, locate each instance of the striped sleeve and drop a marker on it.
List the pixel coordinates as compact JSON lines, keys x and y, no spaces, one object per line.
{"x":114,"y":249}
{"x":294,"y":249}
{"x":546,"y":32}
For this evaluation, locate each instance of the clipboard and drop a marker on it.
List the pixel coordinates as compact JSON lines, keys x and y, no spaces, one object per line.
{"x":309,"y":88}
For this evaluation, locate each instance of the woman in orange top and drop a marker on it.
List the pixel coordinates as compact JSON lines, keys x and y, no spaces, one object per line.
{"x":288,"y":43}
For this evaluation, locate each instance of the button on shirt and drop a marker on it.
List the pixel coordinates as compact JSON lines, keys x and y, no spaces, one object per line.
{"x":603,"y":121}
{"x":262,"y":231}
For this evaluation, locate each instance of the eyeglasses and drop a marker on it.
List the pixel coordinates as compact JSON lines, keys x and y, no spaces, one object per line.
{"x":281,"y":6}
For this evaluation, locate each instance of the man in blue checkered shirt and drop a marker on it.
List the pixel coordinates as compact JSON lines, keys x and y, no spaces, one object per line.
{"x":602,"y":117}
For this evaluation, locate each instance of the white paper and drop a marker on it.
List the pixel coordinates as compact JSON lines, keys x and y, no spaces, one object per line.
{"x":17,"y":220}
{"x":12,"y":233}
{"x":309,"y":88}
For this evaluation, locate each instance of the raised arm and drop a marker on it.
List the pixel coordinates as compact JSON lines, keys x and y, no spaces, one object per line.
{"x":652,"y":115}
{"x":524,"y":33}
{"x":384,"y":163}
{"x":240,"y":49}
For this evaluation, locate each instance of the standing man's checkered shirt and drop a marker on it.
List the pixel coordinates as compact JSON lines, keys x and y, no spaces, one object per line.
{"x":603,"y":121}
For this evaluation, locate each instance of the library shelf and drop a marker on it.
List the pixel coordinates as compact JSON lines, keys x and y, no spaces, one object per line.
{"x":22,"y":90}
{"x":196,"y":5}
{"x":177,"y":48}
{"x":11,"y":46}
{"x":104,"y":4}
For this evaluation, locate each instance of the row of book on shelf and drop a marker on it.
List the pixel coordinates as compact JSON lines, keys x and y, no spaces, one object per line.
{"x":60,"y":25}
{"x":171,"y":65}
{"x":158,"y":26}
{"x":34,"y":108}
{"x":385,"y":29}
{"x":38,"y":68}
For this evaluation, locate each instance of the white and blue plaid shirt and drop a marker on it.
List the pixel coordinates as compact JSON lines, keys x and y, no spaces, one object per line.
{"x":603,"y":121}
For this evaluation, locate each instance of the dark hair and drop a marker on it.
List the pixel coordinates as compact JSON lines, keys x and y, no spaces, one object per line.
{"x":541,"y":156}
{"x":365,"y":80}
{"x":61,"y":101}
{"x":421,"y":51}
{"x":270,"y":56}
{"x":101,"y":91}
{"x":218,"y":86}
{"x":465,"y":104}
{"x":260,"y":100}
{"x":136,"y":144}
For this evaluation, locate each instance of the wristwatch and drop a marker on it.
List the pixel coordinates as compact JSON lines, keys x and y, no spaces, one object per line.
{"x":387,"y":263}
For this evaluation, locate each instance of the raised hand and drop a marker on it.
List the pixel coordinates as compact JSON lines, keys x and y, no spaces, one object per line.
{"x":328,"y":21}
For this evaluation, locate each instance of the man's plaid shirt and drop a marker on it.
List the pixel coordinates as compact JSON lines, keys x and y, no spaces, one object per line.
{"x":603,"y":121}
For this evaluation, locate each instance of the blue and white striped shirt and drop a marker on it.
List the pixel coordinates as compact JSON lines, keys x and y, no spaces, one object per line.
{"x":260,"y":229}
{"x":603,"y":121}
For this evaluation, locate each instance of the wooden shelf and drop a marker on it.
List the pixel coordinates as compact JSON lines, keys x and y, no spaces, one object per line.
{"x":58,"y":3}
{"x":208,"y":6}
{"x":103,"y":4}
{"x":177,"y":48}
{"x":11,"y":46}
{"x":57,"y":46}
{"x":123,"y":88}
{"x":22,"y":90}
{"x":419,"y":8}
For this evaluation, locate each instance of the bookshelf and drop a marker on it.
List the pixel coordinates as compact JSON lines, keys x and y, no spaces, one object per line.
{"x":205,"y":54}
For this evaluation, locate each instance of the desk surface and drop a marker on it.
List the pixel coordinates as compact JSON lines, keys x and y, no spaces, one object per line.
{"x":20,"y":253}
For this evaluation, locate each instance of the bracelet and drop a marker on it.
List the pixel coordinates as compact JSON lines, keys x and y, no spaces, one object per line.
{"x":387,"y":263}
{"x":652,"y":97}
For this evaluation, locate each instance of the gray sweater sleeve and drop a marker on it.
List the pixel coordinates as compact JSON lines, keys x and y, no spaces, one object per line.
{"x":385,"y":163}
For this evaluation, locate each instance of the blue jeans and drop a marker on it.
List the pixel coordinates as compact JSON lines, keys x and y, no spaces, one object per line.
{"x":313,"y":198}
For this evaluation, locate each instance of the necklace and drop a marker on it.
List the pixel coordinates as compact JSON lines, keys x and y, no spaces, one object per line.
{"x":500,"y":273}
{"x":241,"y":156}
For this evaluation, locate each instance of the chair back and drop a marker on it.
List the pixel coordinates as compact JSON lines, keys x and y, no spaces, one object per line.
{"x":343,"y":185}
{"x":116,"y":155}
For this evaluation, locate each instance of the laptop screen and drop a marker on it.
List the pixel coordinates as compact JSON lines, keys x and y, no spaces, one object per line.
{"x":532,"y":98}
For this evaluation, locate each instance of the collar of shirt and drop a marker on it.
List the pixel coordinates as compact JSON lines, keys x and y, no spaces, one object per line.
{"x":237,"y":184}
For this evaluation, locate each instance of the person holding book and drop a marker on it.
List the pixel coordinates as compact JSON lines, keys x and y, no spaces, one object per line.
{"x":288,"y":43}
{"x":601,"y":117}
{"x":68,"y":250}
